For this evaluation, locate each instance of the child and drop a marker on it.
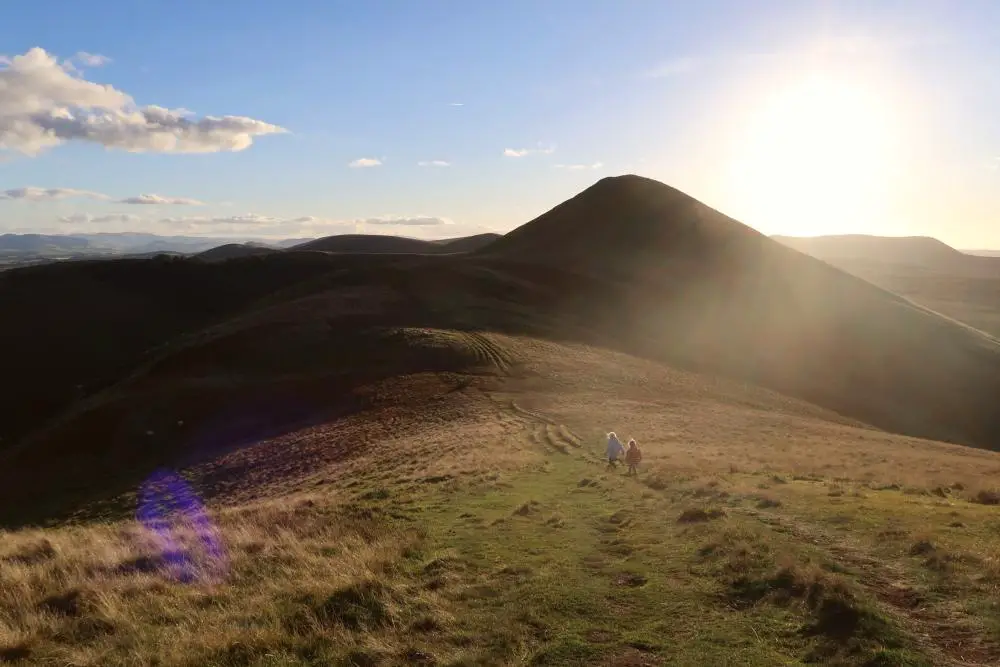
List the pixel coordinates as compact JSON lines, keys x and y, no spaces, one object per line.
{"x":633,"y":456}
{"x":615,"y":449}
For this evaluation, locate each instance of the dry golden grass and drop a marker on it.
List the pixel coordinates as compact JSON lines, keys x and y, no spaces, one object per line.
{"x":112,"y":594}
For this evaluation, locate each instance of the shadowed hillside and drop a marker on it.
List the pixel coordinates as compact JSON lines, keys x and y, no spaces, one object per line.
{"x":255,"y":346}
{"x":71,"y":328}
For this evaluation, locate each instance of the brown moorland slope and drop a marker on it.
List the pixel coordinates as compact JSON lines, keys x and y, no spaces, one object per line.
{"x":629,"y":264}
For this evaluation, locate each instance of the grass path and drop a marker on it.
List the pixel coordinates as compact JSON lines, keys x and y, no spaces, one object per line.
{"x":569,"y":563}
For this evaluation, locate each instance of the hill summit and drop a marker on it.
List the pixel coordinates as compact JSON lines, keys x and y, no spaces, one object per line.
{"x":624,"y":222}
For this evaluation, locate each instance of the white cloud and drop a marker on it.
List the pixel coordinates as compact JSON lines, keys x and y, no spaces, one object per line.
{"x":245,"y":219}
{"x":365,"y":162}
{"x":56,"y":194}
{"x":521,"y":152}
{"x":579,"y":167}
{"x":47,"y":194}
{"x":672,"y":67}
{"x":456,"y":104}
{"x":83,"y":218}
{"x":433,"y":163}
{"x":273,"y":226}
{"x":157,"y":199}
{"x":43,"y":105}
{"x":405,"y":221}
{"x":90,"y":59}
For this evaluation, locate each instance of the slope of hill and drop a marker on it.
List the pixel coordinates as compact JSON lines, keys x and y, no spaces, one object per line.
{"x":962,"y":286}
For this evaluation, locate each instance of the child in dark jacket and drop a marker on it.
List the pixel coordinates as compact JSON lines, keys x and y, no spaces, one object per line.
{"x":632,"y":456}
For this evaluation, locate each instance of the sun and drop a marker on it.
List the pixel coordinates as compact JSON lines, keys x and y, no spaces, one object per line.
{"x":814,"y":159}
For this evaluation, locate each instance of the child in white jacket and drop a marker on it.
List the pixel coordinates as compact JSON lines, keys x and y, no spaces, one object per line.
{"x":615,"y":449}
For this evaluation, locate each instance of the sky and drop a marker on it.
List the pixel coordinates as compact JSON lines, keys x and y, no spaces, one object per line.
{"x":438,"y":119}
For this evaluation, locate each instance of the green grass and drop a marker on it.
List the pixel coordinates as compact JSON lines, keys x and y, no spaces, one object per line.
{"x":568,"y":564}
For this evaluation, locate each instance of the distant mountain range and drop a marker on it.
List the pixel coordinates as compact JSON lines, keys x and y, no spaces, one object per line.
{"x":126,"y":243}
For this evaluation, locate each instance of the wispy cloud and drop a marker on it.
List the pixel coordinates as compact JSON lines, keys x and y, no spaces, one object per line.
{"x":48,"y":194}
{"x":456,"y":104}
{"x":671,"y":67}
{"x":56,"y":194}
{"x":151,"y":199}
{"x":365,"y":162}
{"x":90,"y":59}
{"x":84,"y":218}
{"x":579,"y":167}
{"x":433,"y":163}
{"x":45,"y":104}
{"x":406,"y":221}
{"x":522,"y":152}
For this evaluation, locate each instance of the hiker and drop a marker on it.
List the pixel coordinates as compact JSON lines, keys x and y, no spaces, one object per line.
{"x":633,"y":456}
{"x":615,"y":449}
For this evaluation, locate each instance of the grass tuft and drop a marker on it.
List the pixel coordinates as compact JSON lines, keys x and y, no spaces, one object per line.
{"x":697,"y":515}
{"x":987,"y":497}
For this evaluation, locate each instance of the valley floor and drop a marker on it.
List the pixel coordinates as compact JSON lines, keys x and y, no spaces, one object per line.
{"x":471,"y":520}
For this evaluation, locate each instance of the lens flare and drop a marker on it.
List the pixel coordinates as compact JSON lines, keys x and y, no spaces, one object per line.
{"x":190,"y":545}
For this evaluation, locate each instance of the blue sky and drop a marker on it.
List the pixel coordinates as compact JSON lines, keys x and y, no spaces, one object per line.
{"x":795,"y":117}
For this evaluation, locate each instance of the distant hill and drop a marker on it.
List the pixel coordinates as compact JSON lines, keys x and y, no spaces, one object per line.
{"x":964,"y":285}
{"x":168,"y":351}
{"x":379,"y":243}
{"x":468,"y":243}
{"x":41,"y":243}
{"x":232,"y":250}
{"x":914,"y":250}
{"x":123,"y":243}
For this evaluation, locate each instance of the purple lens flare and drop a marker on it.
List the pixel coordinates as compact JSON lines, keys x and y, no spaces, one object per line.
{"x":190,"y":545}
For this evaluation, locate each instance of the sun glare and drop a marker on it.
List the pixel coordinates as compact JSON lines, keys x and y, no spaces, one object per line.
{"x":814,"y":159}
